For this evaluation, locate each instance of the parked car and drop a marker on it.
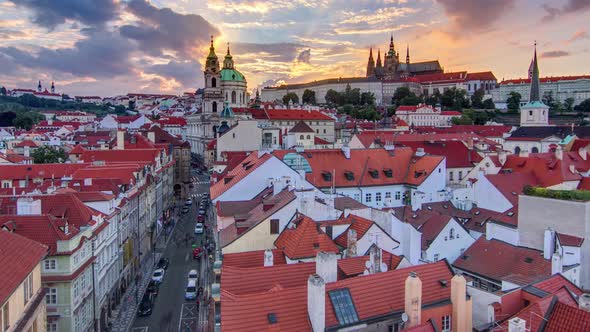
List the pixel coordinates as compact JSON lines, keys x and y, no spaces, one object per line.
{"x":153,"y":288}
{"x":202,"y":211}
{"x":189,"y":202}
{"x":158,"y":276}
{"x":206,"y":195}
{"x":197,"y":253}
{"x":163,"y":263}
{"x":191,"y":290}
{"x":200,"y":218}
{"x":185,"y":209}
{"x":199,"y":228}
{"x":193,"y":275}
{"x":146,"y":305}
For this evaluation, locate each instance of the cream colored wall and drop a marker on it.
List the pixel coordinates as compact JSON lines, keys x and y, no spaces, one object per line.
{"x":17,"y":303}
{"x":258,"y":238}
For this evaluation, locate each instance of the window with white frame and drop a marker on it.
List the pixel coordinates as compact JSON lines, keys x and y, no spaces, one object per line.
{"x":398,"y":195}
{"x":51,"y":296}
{"x":50,"y":264}
{"x":377,"y":197}
{"x":436,"y":257}
{"x":446,"y":323}
{"x":452,"y":233}
{"x":357,"y":197}
{"x":388,"y":195}
{"x":28,"y":288}
{"x":51,"y":326}
{"x":368,"y":197}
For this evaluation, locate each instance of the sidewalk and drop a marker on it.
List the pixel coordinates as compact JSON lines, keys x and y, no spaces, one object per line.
{"x":125,"y":313}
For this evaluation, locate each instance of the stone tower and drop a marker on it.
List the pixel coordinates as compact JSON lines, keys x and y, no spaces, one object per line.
{"x":212,"y":96}
{"x":535,"y":113}
{"x":371,"y":64}
{"x":391,"y":62}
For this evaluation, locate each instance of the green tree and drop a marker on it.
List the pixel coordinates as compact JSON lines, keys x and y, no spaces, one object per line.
{"x":291,"y":96}
{"x":477,"y":98}
{"x":367,"y":98}
{"x":308,"y":97}
{"x":434,"y":99}
{"x":399,"y":94}
{"x":333,"y":97}
{"x":513,"y":101}
{"x":48,"y":155}
{"x":3,"y":91}
{"x":584,"y":106}
{"x":568,"y":103}
{"x":347,"y":109}
{"x":352,"y":96}
{"x":7,"y":118}
{"x":120,"y":109}
{"x":411,"y":100}
{"x":455,"y":99}
{"x":131,"y":105}
{"x":488,"y":104}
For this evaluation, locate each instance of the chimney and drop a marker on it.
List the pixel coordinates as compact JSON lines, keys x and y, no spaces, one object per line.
{"x":268,"y":258}
{"x":583,"y":153}
{"x":572,"y":168}
{"x":28,"y":206}
{"x":559,"y":152}
{"x":27,"y":151}
{"x":461,"y":305}
{"x":556,"y":264}
{"x":420,"y":152}
{"x":548,"y":243}
{"x":120,"y":140}
{"x":351,"y":243}
{"x":326,"y":266}
{"x":346,"y":151}
{"x":524,"y":153}
{"x":316,"y":302}
{"x":584,"y":302}
{"x":502,"y":157}
{"x":516,"y":325}
{"x":413,"y":300}
{"x":151,"y":136}
{"x":375,"y":256}
{"x":470,"y":143}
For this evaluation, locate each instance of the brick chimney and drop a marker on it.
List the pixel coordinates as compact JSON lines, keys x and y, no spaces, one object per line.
{"x":316,"y":302}
{"x":516,"y":325}
{"x":375,"y":256}
{"x":413,"y":300}
{"x":120,"y":140}
{"x":461,"y":305}
{"x":351,"y":243}
{"x":326,"y":266}
{"x":268,"y":258}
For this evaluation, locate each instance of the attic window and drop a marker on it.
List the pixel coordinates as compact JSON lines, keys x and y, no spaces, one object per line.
{"x":443,"y":283}
{"x":445,"y":207}
{"x":388,"y":172}
{"x":327,"y":176}
{"x":349,"y":175}
{"x":477,"y":213}
{"x":248,"y":167}
{"x":465,"y":257}
{"x":514,"y":193}
{"x":272,"y":318}
{"x":510,"y":214}
{"x":528,"y":260}
{"x":374,"y":173}
{"x":343,"y":306}
{"x":418,"y":174}
{"x":227,"y":179}
{"x":429,"y":207}
{"x":414,"y":216}
{"x":316,"y":245}
{"x":309,"y":155}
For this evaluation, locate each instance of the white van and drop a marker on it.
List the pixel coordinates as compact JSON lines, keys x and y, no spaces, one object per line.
{"x":191,"y":290}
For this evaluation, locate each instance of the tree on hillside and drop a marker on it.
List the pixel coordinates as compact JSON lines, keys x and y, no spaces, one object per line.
{"x":367,"y":98}
{"x":455,"y":99}
{"x":583,"y":106}
{"x":131,"y":105}
{"x":352,"y":96}
{"x":488,"y":104}
{"x":477,"y":98}
{"x":332,"y":97}
{"x":568,"y":104}
{"x":23,"y":122}
{"x":308,"y":97}
{"x":291,"y":96}
{"x":403,"y":96}
{"x":7,"y":119}
{"x":48,"y":155}
{"x":434,"y":99}
{"x":3,"y":91}
{"x":513,"y":101}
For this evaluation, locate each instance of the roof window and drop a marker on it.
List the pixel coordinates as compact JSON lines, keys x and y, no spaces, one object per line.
{"x":343,"y":306}
{"x":388,"y":172}
{"x":327,"y":176}
{"x":374,"y":173}
{"x":272,"y":318}
{"x":528,"y":260}
{"x":349,"y":175}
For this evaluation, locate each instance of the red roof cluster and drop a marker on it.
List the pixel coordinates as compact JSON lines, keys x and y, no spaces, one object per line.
{"x":239,"y":172}
{"x":306,"y":240}
{"x":274,"y":114}
{"x":546,"y":79}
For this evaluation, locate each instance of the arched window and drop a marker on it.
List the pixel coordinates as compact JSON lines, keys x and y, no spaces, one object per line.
{"x":308,"y":136}
{"x":535,"y":150}
{"x":233,"y":97}
{"x":214,"y":107}
{"x":452,"y":233}
{"x":226,"y":96}
{"x":213,"y":82}
{"x":517,"y":150}
{"x":301,"y":137}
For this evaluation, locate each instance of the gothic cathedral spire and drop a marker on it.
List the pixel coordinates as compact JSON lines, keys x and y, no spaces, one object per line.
{"x":535,"y":81}
{"x":371,"y":64}
{"x":408,"y":54}
{"x":379,"y":65}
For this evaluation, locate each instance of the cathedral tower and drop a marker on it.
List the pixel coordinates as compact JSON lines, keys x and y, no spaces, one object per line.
{"x":371,"y":64}
{"x":535,"y":112}
{"x":391,"y":62}
{"x":212,"y":96}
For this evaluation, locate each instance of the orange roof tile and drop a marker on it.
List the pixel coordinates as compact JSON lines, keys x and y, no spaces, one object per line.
{"x":248,"y":165}
{"x":305,"y":241}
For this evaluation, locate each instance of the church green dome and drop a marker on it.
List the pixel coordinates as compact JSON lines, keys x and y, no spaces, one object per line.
{"x":228,"y":74}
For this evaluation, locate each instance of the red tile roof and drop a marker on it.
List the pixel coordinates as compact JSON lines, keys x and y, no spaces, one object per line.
{"x":319,"y":141}
{"x":78,"y":149}
{"x":358,"y":224}
{"x":456,"y":153}
{"x":67,"y":206}
{"x":547,"y":169}
{"x":533,"y":315}
{"x":252,"y":258}
{"x":511,"y":184}
{"x":496,"y":260}
{"x":131,"y":155}
{"x":18,"y":258}
{"x":429,"y":223}
{"x":545,"y":79}
{"x":354,"y":266}
{"x":570,"y":240}
{"x":26,"y":142}
{"x":556,"y":282}
{"x":273,"y":114}
{"x":235,"y":175}
{"x":579,"y":143}
{"x":484,"y":131}
{"x":251,"y":280}
{"x":481,"y":76}
{"x":301,"y":127}
{"x":43,"y":229}
{"x":567,"y":318}
{"x":305,"y":241}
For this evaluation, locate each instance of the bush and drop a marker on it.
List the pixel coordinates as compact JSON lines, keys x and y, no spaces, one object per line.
{"x":567,"y":195}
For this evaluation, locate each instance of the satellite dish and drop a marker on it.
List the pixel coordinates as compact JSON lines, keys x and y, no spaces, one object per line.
{"x":368,"y":264}
{"x":383,"y":267}
{"x":404,"y":317}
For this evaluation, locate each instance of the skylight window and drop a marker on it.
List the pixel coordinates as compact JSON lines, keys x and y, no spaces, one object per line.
{"x":343,"y":306}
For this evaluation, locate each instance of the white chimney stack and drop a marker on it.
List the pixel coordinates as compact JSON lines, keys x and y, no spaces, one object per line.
{"x":413,"y":300}
{"x":462,"y":307}
{"x":583,"y":153}
{"x":548,"y":243}
{"x":351,"y":243}
{"x":326,"y":266}
{"x":516,"y":325}
{"x":316,"y":303}
{"x":559,"y":152}
{"x":556,"y":264}
{"x":268,"y":258}
{"x":346,"y":151}
{"x":502,"y":157}
{"x":151,"y":136}
{"x":120,"y":139}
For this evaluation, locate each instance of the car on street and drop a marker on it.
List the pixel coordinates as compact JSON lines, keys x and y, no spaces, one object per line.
{"x":185,"y":209}
{"x":206,"y":195}
{"x":191,"y":290}
{"x":163,"y":263}
{"x":197,"y":253}
{"x":158,"y":276}
{"x":199,"y":228}
{"x":202,"y":211}
{"x":200,"y":218}
{"x":152,"y":288}
{"x":189,"y":202}
{"x":146,"y":305}
{"x":193,"y":275}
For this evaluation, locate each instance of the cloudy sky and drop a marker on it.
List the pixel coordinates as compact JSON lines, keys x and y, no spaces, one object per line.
{"x":110,"y":47}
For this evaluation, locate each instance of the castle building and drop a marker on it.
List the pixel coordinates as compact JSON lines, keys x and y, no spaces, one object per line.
{"x":225,"y":88}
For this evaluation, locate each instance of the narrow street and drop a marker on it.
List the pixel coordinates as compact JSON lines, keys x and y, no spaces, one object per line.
{"x":171,"y":312}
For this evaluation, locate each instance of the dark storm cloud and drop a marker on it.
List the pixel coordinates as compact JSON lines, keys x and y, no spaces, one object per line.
{"x":185,"y":72}
{"x":570,"y":7}
{"x":554,"y":54}
{"x":164,"y":29}
{"x":50,"y":14}
{"x":469,"y":15}
{"x":279,"y":52}
{"x":102,"y":54}
{"x":304,"y":56}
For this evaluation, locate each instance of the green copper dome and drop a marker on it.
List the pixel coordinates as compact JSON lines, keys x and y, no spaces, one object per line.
{"x":232,"y":75}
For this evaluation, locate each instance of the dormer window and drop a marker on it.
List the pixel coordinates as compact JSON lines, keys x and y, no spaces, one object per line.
{"x":388,"y":172}
{"x":374,"y":173}
{"x":349,"y":175}
{"x":327,"y":176}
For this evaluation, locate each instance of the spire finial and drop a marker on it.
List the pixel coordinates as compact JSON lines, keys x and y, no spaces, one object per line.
{"x":211,"y":40}
{"x":228,"y":48}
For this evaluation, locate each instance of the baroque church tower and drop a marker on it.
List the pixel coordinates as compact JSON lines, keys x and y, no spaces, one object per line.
{"x":212,"y":96}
